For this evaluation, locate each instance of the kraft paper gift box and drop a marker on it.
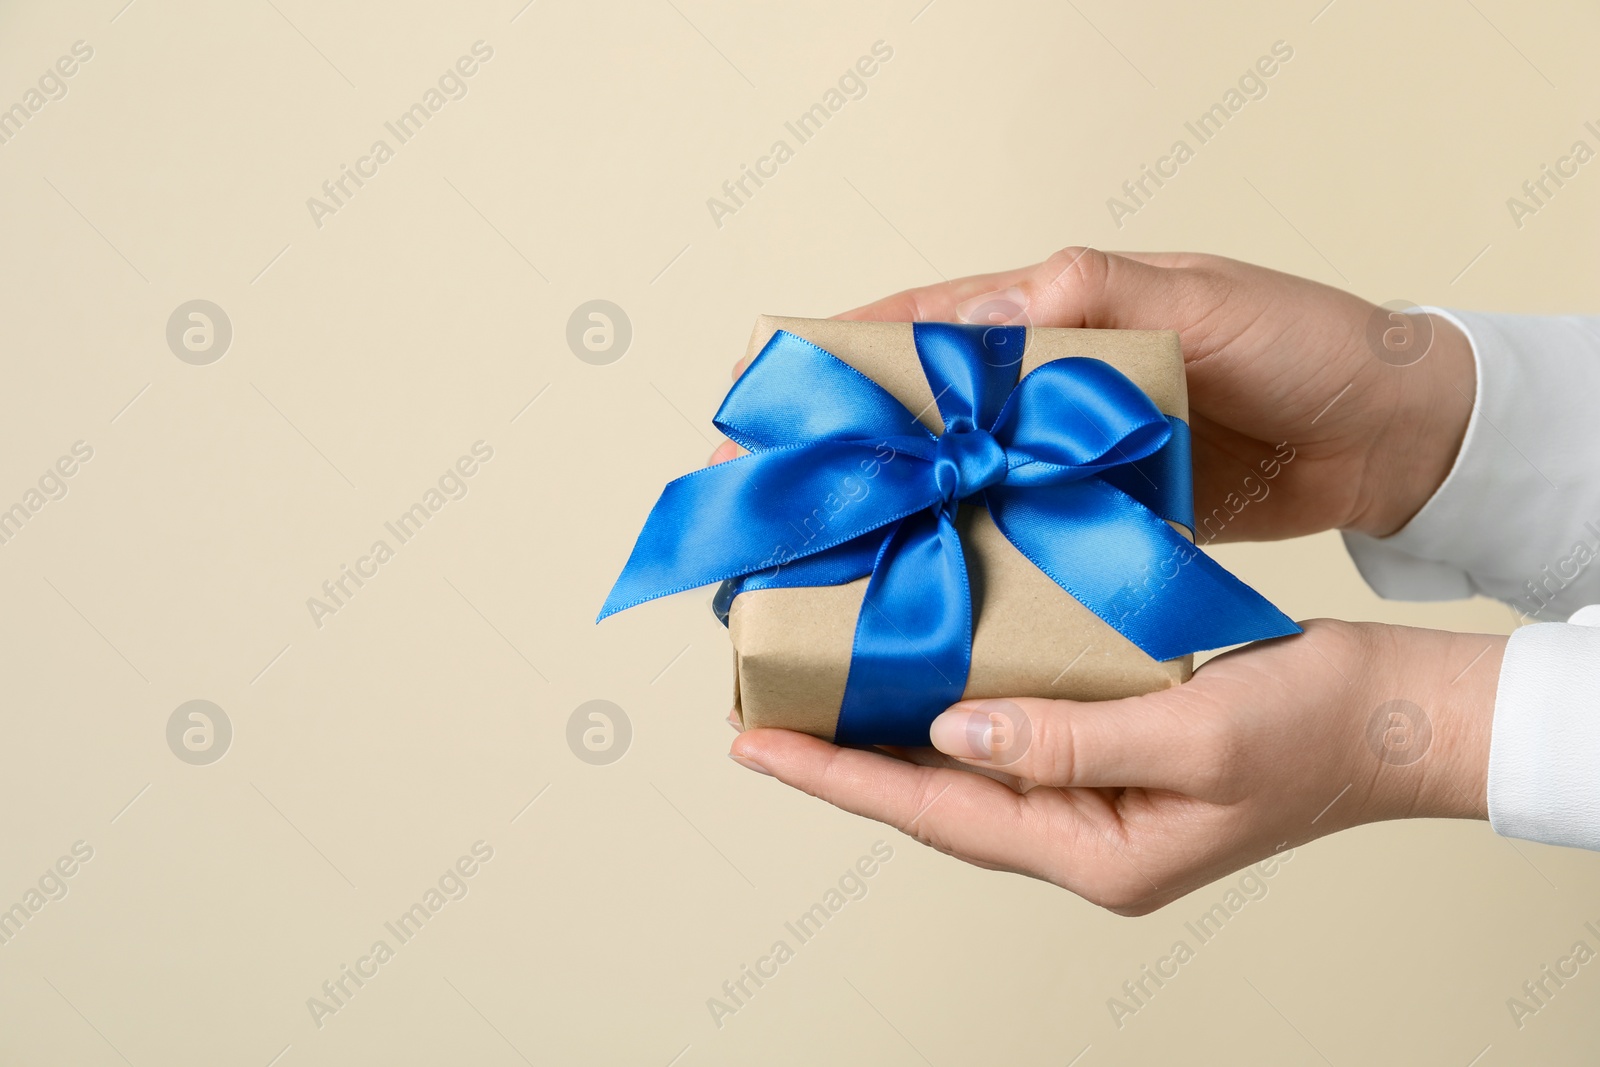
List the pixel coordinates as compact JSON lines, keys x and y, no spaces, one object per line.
{"x":792,"y":647}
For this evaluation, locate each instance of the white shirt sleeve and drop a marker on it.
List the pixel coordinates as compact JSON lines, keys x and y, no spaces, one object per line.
{"x":1518,"y":519}
{"x":1544,"y":757}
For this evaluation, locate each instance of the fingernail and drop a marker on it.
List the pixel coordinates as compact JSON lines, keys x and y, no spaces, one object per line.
{"x":746,"y":761}
{"x":733,"y":721}
{"x":963,"y":732}
{"x":1004,"y":307}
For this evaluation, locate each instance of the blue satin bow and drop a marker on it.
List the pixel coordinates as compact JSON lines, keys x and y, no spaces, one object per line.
{"x":1076,"y":465}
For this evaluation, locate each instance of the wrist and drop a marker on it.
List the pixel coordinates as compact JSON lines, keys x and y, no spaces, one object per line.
{"x":1425,"y":411}
{"x":1430,"y":720}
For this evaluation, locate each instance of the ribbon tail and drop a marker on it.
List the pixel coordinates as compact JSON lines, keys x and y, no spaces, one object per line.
{"x":761,"y":511}
{"x":1147,"y":582}
{"x":913,"y":643}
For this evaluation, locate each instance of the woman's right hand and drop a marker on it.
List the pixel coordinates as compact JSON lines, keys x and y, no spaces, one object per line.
{"x":1133,"y":803}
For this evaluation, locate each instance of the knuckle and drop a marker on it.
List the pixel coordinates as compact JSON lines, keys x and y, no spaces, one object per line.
{"x":919,"y":819}
{"x":1078,"y":267}
{"x":930,"y":832}
{"x":921,"y":305}
{"x":1052,"y":754}
{"x":825,"y":779}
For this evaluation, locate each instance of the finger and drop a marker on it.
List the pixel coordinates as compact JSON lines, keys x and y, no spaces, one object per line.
{"x":1082,"y":288}
{"x":725,"y":451}
{"x":951,"y":301}
{"x":932,"y":757}
{"x":969,"y":815}
{"x":936,"y":303}
{"x":1076,"y":287}
{"x":1157,"y":741}
{"x":1085,"y":288}
{"x":1172,"y":259}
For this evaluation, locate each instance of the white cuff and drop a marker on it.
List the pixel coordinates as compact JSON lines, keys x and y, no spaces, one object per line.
{"x":1544,"y":755}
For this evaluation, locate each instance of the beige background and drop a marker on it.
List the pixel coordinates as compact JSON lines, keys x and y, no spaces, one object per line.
{"x":425,"y":715}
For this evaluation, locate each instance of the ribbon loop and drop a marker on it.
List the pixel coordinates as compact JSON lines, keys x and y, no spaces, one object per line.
{"x":1077,"y":466}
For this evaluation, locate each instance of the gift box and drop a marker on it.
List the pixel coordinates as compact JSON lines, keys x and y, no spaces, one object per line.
{"x":933,"y":512}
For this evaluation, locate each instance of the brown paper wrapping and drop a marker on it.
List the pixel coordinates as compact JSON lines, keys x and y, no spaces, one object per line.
{"x":1030,"y":637}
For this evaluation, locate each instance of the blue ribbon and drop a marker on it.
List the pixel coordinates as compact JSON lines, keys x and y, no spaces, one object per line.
{"x":1076,"y":465}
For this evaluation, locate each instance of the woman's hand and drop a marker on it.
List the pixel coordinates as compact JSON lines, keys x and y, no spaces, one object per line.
{"x":1272,"y":360}
{"x":1133,"y":803}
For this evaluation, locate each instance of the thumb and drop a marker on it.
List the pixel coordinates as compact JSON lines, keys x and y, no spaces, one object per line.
{"x":1160,"y":740}
{"x":1077,"y":287}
